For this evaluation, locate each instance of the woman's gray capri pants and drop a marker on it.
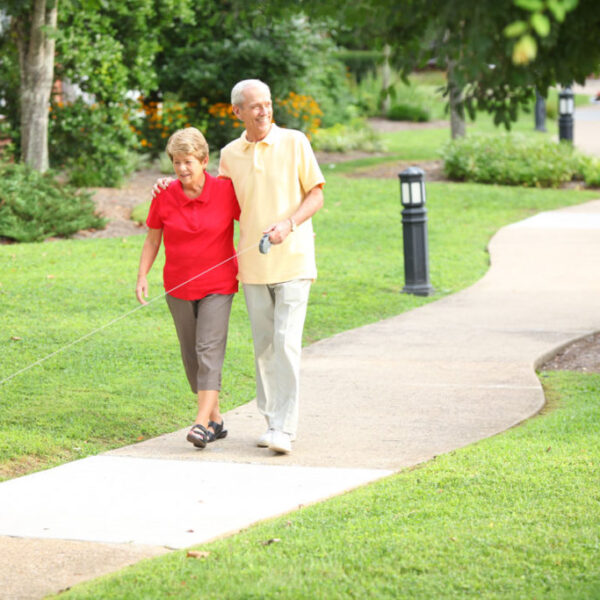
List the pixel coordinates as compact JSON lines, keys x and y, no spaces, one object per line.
{"x":201,"y":327}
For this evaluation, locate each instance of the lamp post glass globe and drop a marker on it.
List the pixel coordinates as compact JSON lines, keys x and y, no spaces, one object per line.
{"x":412,"y":187}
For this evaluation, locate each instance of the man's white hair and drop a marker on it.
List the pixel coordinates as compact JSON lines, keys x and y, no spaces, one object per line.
{"x":237,"y":93}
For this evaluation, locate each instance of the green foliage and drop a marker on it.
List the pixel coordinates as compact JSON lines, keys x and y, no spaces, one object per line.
{"x":408,"y":112}
{"x":7,"y":144}
{"x":421,"y":95}
{"x":588,"y":169}
{"x":110,"y":48}
{"x":222,"y":126}
{"x":158,"y":120}
{"x":94,"y":142}
{"x":34,"y":207}
{"x":469,"y":36}
{"x":9,"y":92}
{"x":344,"y":137}
{"x":298,"y":111}
{"x":201,"y":62}
{"x":360,"y":63}
{"x":511,"y":160}
{"x":537,"y":23}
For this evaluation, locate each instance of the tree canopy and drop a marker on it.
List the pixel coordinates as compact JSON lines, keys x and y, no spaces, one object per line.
{"x":478,"y":40}
{"x":496,"y":53}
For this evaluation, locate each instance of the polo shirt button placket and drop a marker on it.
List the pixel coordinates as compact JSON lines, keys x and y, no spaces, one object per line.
{"x":259,"y":163}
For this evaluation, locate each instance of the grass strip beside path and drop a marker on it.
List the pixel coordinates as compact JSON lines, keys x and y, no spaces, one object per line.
{"x":514,"y":516}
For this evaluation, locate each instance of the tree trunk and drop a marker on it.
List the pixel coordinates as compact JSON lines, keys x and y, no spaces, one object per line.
{"x":458,"y":127}
{"x":36,"y":58}
{"x":386,"y":75}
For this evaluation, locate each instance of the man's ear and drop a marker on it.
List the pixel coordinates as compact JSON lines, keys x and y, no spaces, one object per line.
{"x":236,"y":111}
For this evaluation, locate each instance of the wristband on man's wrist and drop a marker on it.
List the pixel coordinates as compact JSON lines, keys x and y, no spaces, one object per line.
{"x":292,"y":224}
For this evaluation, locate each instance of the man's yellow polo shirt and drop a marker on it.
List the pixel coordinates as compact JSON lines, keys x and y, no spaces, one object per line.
{"x":271,"y":178}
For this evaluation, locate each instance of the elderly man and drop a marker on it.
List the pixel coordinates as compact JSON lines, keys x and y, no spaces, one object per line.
{"x":279,"y":187}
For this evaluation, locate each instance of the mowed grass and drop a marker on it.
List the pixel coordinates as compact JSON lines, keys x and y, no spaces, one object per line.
{"x":125,"y":382}
{"x":514,"y":516}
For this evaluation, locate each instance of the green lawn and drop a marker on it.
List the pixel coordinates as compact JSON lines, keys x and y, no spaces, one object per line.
{"x":515,"y":516}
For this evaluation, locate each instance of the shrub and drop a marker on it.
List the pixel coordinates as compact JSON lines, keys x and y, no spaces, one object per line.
{"x":588,"y":169}
{"x":290,"y":53}
{"x":360,"y":63}
{"x":222,"y":126}
{"x":35,"y":206}
{"x":356,"y":135}
{"x":510,"y":159}
{"x":94,"y":142}
{"x":298,"y":111}
{"x":158,"y":120}
{"x":408,"y":112}
{"x":7,"y":146}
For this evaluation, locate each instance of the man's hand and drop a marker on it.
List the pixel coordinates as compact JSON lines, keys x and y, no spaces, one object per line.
{"x":313,"y":201}
{"x":279,"y":231}
{"x":160,"y":185}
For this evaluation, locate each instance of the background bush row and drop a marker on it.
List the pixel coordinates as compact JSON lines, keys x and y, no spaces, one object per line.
{"x":514,"y":159}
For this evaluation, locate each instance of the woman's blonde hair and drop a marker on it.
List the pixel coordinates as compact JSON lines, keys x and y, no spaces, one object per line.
{"x":188,"y":141}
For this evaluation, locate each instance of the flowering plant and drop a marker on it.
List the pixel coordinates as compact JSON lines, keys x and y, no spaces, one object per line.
{"x":158,"y":121}
{"x":298,"y":111}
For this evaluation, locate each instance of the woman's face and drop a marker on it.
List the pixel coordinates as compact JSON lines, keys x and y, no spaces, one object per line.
{"x":189,"y":169}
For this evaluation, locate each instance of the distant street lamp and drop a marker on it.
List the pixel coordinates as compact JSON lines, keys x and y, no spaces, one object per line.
{"x":414,"y":231}
{"x":566,"y":109}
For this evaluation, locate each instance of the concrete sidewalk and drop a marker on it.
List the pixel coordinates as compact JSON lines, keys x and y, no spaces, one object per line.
{"x":374,"y":401}
{"x":586,"y":126}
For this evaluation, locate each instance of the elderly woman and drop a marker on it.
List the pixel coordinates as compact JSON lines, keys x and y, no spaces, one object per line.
{"x":194,"y":216}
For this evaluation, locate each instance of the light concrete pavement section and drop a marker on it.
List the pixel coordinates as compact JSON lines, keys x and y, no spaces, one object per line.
{"x":586,"y":127}
{"x":171,"y":503}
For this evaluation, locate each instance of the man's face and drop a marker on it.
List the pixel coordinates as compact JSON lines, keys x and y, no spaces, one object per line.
{"x":256,"y":112}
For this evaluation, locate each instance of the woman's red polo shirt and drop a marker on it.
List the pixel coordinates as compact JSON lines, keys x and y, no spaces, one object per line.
{"x":198,"y":235}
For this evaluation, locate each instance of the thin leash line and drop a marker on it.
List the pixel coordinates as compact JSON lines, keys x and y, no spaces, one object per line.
{"x":121,"y":317}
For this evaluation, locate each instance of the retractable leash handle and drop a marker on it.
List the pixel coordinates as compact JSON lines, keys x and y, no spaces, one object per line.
{"x":265,"y":244}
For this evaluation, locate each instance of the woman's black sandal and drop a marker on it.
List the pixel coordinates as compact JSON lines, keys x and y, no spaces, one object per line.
{"x":219,"y":432}
{"x":199,"y":436}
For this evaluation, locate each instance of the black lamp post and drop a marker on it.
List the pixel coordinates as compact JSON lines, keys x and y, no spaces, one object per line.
{"x":414,"y":229}
{"x":566,"y":108}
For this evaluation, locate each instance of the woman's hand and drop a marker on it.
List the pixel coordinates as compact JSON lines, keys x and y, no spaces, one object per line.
{"x":141,"y":289}
{"x":161,"y":184}
{"x":149,"y":252}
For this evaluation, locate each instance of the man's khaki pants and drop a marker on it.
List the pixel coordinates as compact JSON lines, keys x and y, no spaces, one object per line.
{"x":277,"y":312}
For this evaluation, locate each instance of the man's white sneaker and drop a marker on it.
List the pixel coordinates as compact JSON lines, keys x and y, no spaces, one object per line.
{"x":264,"y":441}
{"x":281,"y":442}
